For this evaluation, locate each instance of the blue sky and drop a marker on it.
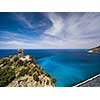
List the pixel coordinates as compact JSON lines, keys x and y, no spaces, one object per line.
{"x":49,"y":30}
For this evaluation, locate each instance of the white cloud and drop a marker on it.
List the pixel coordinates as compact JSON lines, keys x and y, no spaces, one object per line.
{"x":70,"y":31}
{"x":57,"y":24}
{"x":74,"y":30}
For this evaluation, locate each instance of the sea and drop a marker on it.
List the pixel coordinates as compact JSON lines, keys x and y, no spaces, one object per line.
{"x":68,"y":66}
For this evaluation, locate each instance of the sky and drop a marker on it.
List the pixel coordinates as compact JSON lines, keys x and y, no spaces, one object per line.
{"x":49,"y":30}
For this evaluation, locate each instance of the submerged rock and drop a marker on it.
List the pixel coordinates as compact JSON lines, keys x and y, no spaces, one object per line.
{"x":22,"y":71}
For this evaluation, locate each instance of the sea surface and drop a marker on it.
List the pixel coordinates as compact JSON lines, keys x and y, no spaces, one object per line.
{"x":68,"y":66}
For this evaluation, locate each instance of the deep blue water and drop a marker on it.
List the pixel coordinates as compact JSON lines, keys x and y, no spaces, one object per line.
{"x":68,"y":66}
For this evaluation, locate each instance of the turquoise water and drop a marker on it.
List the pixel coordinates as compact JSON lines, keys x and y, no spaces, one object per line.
{"x":68,"y":66}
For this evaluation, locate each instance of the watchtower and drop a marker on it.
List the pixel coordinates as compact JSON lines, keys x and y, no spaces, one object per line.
{"x":20,"y":53}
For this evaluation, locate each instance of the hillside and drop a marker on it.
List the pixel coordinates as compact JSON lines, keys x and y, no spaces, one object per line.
{"x":95,"y":50}
{"x":22,"y":71}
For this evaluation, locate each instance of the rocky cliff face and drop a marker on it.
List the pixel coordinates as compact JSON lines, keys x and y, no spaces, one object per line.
{"x":22,"y":71}
{"x":95,"y":50}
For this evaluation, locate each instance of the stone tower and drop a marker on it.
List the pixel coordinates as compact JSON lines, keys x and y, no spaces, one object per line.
{"x":20,"y":53}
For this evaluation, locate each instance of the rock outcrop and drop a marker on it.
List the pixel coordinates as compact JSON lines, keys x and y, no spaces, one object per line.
{"x":22,"y":71}
{"x":95,"y":50}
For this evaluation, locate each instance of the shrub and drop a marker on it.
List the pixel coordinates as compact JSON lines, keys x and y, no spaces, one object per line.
{"x":10,"y":56}
{"x":16,"y":58}
{"x":4,"y":61}
{"x":32,"y":71}
{"x":53,"y":80}
{"x":25,"y":63}
{"x":6,"y":76}
{"x":23,"y":72}
{"x":47,"y":82}
{"x":35,"y":77}
{"x":10,"y":63}
{"x":3,"y":83}
{"x":32,"y":59}
{"x":20,"y":63}
{"x":47,"y":74}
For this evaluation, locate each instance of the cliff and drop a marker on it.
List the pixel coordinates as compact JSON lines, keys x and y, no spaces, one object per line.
{"x":22,"y":71}
{"x":95,"y":50}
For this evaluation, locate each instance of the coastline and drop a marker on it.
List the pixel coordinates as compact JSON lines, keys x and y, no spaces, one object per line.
{"x":91,"y":82}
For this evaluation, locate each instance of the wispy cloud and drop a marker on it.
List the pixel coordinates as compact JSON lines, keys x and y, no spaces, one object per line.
{"x":22,"y":19}
{"x":57,"y":24}
{"x":74,"y":30}
{"x":68,"y":30}
{"x":7,"y":36}
{"x":29,"y":21}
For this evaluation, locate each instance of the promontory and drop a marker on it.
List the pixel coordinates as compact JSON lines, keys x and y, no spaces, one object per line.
{"x":23,"y":71}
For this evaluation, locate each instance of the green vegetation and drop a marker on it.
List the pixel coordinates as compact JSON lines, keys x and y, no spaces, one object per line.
{"x":16,"y":58}
{"x":25,"y":63}
{"x":6,"y":76}
{"x":32,"y":59}
{"x":23,"y":72}
{"x":13,"y":68}
{"x":32,"y":71}
{"x":47,"y":74}
{"x":53,"y":80}
{"x":20,"y":63}
{"x":35,"y":77}
{"x":4,"y":61}
{"x":47,"y":82}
